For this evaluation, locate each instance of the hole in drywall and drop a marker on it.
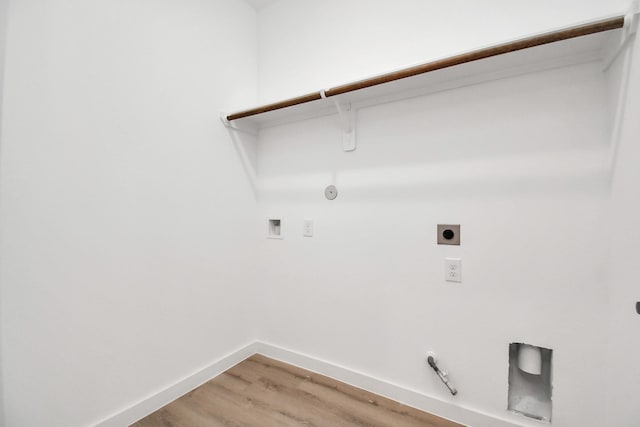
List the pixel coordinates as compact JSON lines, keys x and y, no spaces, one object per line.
{"x":274,"y":228}
{"x":530,"y":381}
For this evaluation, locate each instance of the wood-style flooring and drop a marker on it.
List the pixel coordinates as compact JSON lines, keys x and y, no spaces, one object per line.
{"x":262,"y":392}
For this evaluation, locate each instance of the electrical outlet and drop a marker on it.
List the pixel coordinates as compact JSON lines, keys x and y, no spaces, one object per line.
{"x":453,"y":269}
{"x":308,"y":228}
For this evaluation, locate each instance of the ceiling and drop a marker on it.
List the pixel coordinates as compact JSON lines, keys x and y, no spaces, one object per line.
{"x":259,"y":4}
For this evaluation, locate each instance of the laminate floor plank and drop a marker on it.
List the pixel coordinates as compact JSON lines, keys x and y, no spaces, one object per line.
{"x":301,"y":405}
{"x":233,"y":382}
{"x":339,"y":394}
{"x":289,"y":382}
{"x":263,"y":392}
{"x":242,"y":410}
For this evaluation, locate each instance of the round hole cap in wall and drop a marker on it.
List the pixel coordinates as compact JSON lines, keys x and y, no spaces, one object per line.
{"x":331,"y":192}
{"x":448,"y":234}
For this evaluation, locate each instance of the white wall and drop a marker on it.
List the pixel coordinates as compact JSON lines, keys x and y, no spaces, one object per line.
{"x":3,"y":23}
{"x":623,"y":370}
{"x":308,"y":45}
{"x":502,"y":159}
{"x":128,"y":228}
{"x":520,"y":163}
{"x":126,"y":220}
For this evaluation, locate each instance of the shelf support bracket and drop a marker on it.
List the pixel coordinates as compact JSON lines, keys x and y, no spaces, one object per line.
{"x":629,"y":30}
{"x":347,"y":116}
{"x":628,"y":36}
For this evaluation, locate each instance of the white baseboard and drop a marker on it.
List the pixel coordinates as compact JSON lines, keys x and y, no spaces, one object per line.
{"x":156,"y":401}
{"x":467,"y":416}
{"x":463,"y":415}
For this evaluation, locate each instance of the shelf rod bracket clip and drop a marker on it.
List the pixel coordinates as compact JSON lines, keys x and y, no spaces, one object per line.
{"x":230,"y":126}
{"x":347,"y":117}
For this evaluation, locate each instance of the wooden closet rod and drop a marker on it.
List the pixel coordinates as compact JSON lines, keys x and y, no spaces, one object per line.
{"x":551,"y":37}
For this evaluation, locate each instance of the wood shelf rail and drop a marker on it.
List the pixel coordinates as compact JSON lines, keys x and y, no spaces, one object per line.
{"x":539,"y":40}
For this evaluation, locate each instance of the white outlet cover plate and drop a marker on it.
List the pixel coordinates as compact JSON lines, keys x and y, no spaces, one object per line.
{"x":308,"y":227}
{"x":453,"y":270}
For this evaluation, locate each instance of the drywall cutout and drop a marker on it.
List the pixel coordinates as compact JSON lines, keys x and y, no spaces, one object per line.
{"x":274,"y":228}
{"x":530,"y":381}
